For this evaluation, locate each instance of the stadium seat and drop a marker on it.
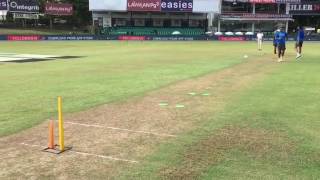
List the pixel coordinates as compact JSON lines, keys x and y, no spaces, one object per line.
{"x":141,"y":31}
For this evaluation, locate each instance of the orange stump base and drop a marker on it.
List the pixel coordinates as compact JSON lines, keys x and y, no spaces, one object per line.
{"x":53,"y":148}
{"x":51,"y":135}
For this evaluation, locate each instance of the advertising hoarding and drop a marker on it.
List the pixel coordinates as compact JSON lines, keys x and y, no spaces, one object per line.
{"x":24,"y":37}
{"x":203,"y":6}
{"x":108,"y":5}
{"x":267,"y":1}
{"x":177,"y":5}
{"x":3,"y":5}
{"x":24,"y":6}
{"x":25,"y":16}
{"x":305,"y":9}
{"x":144,"y":5}
{"x":59,"y":9}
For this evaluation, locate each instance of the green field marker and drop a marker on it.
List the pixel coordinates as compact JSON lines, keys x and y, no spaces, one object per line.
{"x":192,"y":93}
{"x":206,"y":94}
{"x":180,"y":106}
{"x":163,"y":104}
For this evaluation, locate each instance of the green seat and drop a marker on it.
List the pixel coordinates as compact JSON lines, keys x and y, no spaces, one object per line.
{"x":140,"y":31}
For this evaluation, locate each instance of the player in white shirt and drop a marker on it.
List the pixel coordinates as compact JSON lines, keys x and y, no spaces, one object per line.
{"x":260,"y":39}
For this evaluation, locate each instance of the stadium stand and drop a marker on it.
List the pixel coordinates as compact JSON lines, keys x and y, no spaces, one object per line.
{"x":152,"y":31}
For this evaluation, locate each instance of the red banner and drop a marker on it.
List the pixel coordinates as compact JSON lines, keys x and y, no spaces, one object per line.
{"x":59,"y":9}
{"x":224,"y":38}
{"x":144,"y":5}
{"x":132,"y":38}
{"x":24,"y":38}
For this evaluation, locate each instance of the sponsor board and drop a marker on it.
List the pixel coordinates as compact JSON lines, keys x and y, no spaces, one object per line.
{"x":248,"y":16}
{"x":274,"y":1}
{"x":144,"y":5}
{"x":304,"y":9}
{"x":24,"y":37}
{"x":224,"y":38}
{"x":59,"y":9}
{"x":3,"y":5}
{"x":173,"y":38}
{"x":177,"y":5}
{"x":24,"y":6}
{"x":3,"y":37}
{"x":203,"y":6}
{"x":267,"y":1}
{"x":141,"y":38}
{"x":25,"y":16}
{"x":111,"y":5}
{"x":69,"y":38}
{"x":133,"y":38}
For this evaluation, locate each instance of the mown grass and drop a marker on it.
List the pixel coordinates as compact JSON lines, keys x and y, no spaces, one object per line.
{"x":285,"y":104}
{"x":107,"y":72}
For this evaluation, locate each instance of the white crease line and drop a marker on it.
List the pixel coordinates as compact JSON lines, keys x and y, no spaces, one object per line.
{"x":121,"y":129}
{"x":87,"y":154}
{"x":104,"y":157}
{"x":32,"y":145}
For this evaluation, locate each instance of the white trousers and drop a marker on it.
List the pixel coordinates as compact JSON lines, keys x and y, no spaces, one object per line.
{"x":259,"y":43}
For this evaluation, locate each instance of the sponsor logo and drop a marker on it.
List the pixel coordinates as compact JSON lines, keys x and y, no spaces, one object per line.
{"x":69,"y":38}
{"x":144,"y":5}
{"x":256,"y":16}
{"x":3,"y":5}
{"x":59,"y":9}
{"x":177,"y":5}
{"x":30,"y":6}
{"x":24,"y":38}
{"x":304,"y":8}
{"x":132,"y":38}
{"x":274,"y":1}
{"x":223,"y":38}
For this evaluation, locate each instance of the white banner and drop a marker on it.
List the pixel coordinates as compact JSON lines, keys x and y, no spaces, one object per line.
{"x":205,"y":6}
{"x":108,"y":5}
{"x":25,"y":16}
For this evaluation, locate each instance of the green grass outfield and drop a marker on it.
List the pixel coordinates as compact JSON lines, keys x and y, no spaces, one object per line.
{"x":286,"y":101}
{"x":108,"y":71}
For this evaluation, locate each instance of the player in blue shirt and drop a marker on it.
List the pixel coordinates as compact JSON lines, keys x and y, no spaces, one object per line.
{"x":281,"y":38}
{"x":299,"y":41}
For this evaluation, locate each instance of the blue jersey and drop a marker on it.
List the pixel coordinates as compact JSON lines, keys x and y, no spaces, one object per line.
{"x":274,"y":38}
{"x":300,"y":36}
{"x":281,"y":38}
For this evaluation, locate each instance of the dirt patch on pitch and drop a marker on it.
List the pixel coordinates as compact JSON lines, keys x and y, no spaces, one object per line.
{"x":257,"y":143}
{"x":128,"y":130}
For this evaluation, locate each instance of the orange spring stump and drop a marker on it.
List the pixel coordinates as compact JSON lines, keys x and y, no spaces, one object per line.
{"x":51,"y":144}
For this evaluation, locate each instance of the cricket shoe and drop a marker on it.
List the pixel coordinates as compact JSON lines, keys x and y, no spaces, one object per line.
{"x":298,"y":56}
{"x":280,"y":59}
